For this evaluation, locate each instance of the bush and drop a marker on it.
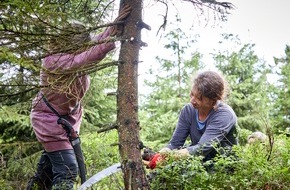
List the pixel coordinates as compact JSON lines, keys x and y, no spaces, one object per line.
{"x":255,"y":167}
{"x":243,"y":136}
{"x":18,"y":171}
{"x":184,"y":173}
{"x":98,"y":152}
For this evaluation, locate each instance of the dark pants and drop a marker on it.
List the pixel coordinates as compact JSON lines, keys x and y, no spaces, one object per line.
{"x":55,"y":170}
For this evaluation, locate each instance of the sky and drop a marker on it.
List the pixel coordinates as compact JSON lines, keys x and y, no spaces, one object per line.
{"x":260,"y":22}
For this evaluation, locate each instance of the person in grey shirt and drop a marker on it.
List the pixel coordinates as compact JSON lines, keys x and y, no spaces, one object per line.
{"x":207,"y":120}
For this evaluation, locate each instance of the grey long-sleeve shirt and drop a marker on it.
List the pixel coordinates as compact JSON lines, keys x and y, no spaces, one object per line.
{"x":218,"y":128}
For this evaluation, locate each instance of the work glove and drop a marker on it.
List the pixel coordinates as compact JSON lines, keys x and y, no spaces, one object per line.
{"x":124,"y":12}
{"x":158,"y":157}
{"x":154,"y":160}
{"x":181,"y":153}
{"x":165,"y":150}
{"x":148,"y":154}
{"x":151,"y":158}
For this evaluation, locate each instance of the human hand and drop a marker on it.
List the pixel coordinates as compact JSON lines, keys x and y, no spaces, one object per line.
{"x":181,"y":152}
{"x":155,"y":159}
{"x":158,"y":157}
{"x":151,"y":158}
{"x":117,"y":29}
{"x":148,"y":154}
{"x":165,"y":150}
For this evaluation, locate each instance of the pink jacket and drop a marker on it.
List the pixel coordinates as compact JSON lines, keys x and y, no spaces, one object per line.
{"x":44,"y":122}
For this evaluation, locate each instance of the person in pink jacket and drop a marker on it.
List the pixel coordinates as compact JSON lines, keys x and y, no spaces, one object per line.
{"x":58,"y":167}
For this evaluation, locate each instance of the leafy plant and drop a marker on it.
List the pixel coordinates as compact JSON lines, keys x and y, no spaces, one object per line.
{"x":248,"y":169}
{"x":246,"y":74}
{"x":98,"y":151}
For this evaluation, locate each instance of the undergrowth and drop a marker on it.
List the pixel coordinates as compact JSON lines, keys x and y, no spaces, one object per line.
{"x":254,"y":167}
{"x":98,"y":152}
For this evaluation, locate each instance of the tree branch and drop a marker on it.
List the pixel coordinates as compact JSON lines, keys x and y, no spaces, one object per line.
{"x":108,"y":128}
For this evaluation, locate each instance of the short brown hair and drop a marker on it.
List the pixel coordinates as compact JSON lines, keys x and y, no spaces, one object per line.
{"x":210,"y":84}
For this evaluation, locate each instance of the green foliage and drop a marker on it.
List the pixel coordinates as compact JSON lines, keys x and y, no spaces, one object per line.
{"x":18,"y":163}
{"x":98,"y":150}
{"x":21,"y":165}
{"x":250,"y":90}
{"x":17,"y":84}
{"x":252,"y":169}
{"x":243,"y":135}
{"x":156,"y":132}
{"x":179,"y":174}
{"x":100,"y":108}
{"x":249,"y":169}
{"x":26,"y":28}
{"x":100,"y":154}
{"x":169,"y":91}
{"x":282,"y":112}
{"x":15,"y":123}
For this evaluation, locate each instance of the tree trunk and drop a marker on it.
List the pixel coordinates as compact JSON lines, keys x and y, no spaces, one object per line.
{"x":127,"y":102}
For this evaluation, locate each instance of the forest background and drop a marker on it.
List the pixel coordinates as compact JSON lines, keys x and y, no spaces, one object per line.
{"x":260,"y":105}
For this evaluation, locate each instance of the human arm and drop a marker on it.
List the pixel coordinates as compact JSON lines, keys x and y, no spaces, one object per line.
{"x":219,"y":125}
{"x":117,"y":30}
{"x":177,"y":140}
{"x":64,"y":61}
{"x":182,"y":129}
{"x":180,"y":134}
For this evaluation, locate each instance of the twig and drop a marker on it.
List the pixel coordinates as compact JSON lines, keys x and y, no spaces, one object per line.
{"x":110,"y":127}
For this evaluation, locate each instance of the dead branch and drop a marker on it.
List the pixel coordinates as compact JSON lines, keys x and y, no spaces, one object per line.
{"x":108,"y":128}
{"x":220,"y":8}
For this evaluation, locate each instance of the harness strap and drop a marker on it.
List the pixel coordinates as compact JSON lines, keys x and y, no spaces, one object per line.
{"x":50,"y":107}
{"x":73,"y":137}
{"x":54,"y":111}
{"x":60,"y":119}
